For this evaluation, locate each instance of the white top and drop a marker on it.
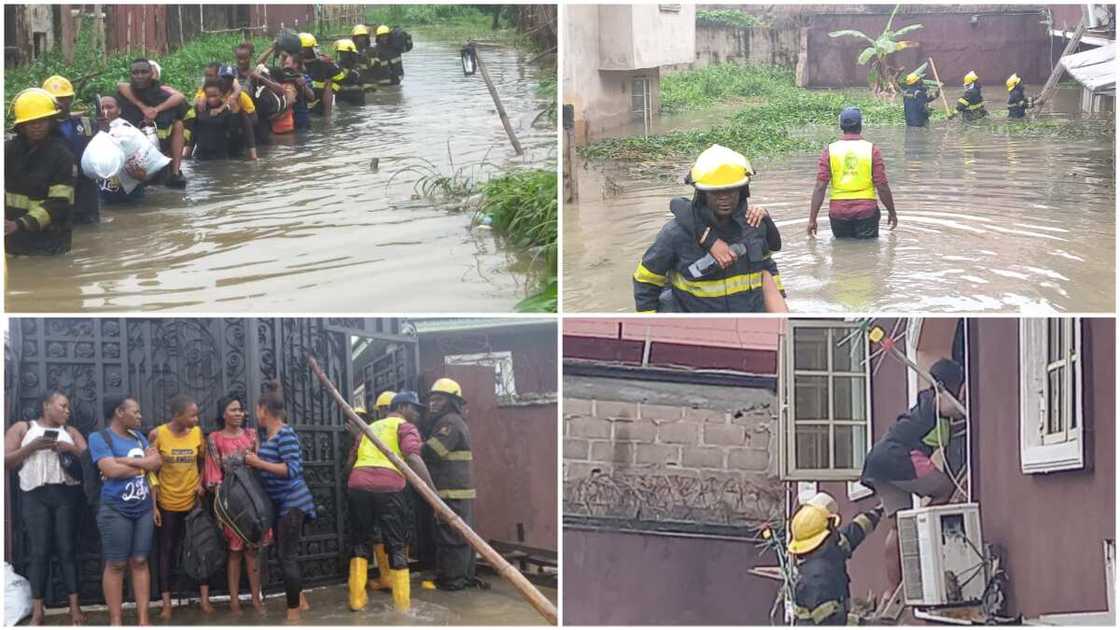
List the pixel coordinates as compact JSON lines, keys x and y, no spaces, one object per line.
{"x":43,"y":467}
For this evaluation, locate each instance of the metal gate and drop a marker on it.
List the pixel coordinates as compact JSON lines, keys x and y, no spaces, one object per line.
{"x":154,"y":359}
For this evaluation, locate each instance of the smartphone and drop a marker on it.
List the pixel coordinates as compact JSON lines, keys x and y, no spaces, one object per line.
{"x":51,"y":434}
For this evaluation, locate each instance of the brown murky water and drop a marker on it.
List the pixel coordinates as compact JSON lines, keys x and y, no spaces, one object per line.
{"x":310,"y":226}
{"x":987,"y":222}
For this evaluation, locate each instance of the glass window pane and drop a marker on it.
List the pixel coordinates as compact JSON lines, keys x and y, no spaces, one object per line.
{"x":810,"y":349}
{"x":849,"y":398}
{"x":848,"y":355}
{"x":1054,"y":336}
{"x":811,"y":446}
{"x":1054,"y":403}
{"x":851,"y":446}
{"x":810,"y":397}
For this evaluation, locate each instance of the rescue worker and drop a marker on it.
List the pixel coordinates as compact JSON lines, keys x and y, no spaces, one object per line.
{"x":384,"y":400}
{"x":297,"y":87}
{"x":347,"y":83}
{"x":366,"y":54}
{"x":321,"y":69}
{"x":714,"y":255}
{"x":900,"y":463}
{"x":147,"y":100}
{"x":821,"y":550}
{"x":1017,"y":100}
{"x":77,"y":130}
{"x":387,"y":65}
{"x":39,"y":173}
{"x":971,"y":103}
{"x":854,"y":168}
{"x":916,"y":100}
{"x":447,"y":452}
{"x":378,"y":502}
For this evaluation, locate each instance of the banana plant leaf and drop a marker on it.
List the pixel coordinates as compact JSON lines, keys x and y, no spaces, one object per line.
{"x":866,"y":55}
{"x":907,"y":29}
{"x":850,"y":33}
{"x":921,"y":70}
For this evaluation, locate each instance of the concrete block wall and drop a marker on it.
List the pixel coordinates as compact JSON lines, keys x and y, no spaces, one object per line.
{"x":711,"y":463}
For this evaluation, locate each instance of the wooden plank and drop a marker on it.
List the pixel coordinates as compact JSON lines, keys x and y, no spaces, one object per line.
{"x":1056,"y":75}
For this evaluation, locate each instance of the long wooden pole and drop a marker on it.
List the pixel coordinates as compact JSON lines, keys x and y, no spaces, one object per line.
{"x":497,"y":101}
{"x":445,"y":513}
{"x":941,"y":88}
{"x":1059,"y":69}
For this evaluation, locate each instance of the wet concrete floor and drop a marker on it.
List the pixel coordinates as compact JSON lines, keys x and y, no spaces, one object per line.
{"x":988,"y":221}
{"x":310,"y":226}
{"x":501,"y":605}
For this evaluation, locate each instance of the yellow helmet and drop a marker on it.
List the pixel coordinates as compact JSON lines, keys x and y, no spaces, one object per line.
{"x":720,"y":168}
{"x":1012,"y":81}
{"x":33,"y":104}
{"x":360,"y":29}
{"x":59,"y":86}
{"x":911,"y":79}
{"x":808,"y":529}
{"x":384,"y":30}
{"x":385,"y":399}
{"x":970,"y":78}
{"x":447,"y":386}
{"x":307,"y":40}
{"x":345,"y":45}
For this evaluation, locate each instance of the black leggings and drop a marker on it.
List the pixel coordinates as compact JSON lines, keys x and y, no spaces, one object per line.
{"x":50,"y":514}
{"x":170,"y":539}
{"x":289,"y":531}
{"x":384,"y":516}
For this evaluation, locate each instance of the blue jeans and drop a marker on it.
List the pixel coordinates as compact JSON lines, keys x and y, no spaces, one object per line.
{"x":123,"y":537}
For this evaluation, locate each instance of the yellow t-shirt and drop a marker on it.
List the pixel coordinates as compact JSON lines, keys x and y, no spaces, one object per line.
{"x":243,"y":98}
{"x":178,"y":476}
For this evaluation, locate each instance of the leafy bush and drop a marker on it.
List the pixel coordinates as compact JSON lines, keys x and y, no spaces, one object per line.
{"x":727,"y":17}
{"x":522,"y":207}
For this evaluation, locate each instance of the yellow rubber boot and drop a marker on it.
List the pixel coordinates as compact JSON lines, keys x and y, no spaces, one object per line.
{"x":383,"y":583}
{"x":402,"y":589}
{"x":359,"y":567}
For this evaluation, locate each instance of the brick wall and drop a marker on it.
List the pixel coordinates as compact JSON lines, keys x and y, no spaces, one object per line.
{"x":669,"y":452}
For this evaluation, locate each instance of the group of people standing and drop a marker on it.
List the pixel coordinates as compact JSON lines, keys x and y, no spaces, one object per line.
{"x":239,"y":107}
{"x":144,"y":484}
{"x":970,"y":105}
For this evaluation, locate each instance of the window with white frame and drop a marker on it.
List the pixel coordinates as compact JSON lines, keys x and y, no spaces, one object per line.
{"x":1050,"y":409}
{"x":502,"y":362}
{"x":827,"y":399}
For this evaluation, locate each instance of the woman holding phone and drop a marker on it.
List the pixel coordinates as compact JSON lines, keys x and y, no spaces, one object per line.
{"x":45,"y":451}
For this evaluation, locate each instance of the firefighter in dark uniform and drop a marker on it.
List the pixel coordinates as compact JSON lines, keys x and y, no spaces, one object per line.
{"x":821,"y":549}
{"x":1017,"y":100}
{"x":347,"y":84}
{"x":38,"y":179}
{"x":971,"y":103}
{"x":387,"y":64}
{"x":669,"y":277}
{"x":76,"y":130}
{"x":165,"y":107}
{"x":916,"y":100}
{"x":321,"y":70}
{"x":360,"y":35}
{"x":447,"y":452}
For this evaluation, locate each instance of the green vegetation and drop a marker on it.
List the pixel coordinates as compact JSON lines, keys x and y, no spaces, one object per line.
{"x":452,"y":22}
{"x":522,"y":208}
{"x":771,"y":121}
{"x":727,"y":17}
{"x":882,"y":75}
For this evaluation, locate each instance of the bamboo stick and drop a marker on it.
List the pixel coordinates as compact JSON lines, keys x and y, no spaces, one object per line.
{"x":1059,"y":70}
{"x":497,"y":101}
{"x":940,"y":88}
{"x":445,"y":513}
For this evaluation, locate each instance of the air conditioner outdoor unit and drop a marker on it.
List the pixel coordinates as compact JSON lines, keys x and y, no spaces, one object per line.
{"x":942,"y":555}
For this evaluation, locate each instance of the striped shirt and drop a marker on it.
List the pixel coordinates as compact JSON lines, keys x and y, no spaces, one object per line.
{"x":291,"y":491}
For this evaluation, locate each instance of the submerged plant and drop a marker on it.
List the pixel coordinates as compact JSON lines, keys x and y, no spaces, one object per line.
{"x":883,"y":71}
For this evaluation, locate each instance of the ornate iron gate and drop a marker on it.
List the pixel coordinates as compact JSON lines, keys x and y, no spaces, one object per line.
{"x":154,"y":359}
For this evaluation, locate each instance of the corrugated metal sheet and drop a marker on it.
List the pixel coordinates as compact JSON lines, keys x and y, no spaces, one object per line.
{"x":1095,"y":69}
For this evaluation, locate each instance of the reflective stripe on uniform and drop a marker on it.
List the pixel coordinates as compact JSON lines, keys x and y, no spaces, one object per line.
{"x":964,"y":101}
{"x":456,"y":494}
{"x":64,"y":191}
{"x":34,"y":207}
{"x":850,"y":162}
{"x":721,"y":288}
{"x":644,"y":275}
{"x":818,"y":614}
{"x":864,"y":523}
{"x":459,"y":456}
{"x":438,"y":447}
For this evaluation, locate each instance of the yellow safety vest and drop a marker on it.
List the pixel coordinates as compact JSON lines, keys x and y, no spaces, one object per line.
{"x":850,"y":161}
{"x":386,"y":431}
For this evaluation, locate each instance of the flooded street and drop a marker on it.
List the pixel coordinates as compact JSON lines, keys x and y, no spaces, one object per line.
{"x":987,"y":222}
{"x":311,"y":226}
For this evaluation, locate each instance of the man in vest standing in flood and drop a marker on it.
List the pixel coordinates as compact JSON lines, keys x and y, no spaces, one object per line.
{"x":854,"y":168}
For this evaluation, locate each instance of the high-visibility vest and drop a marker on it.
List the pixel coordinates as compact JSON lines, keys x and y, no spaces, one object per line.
{"x":386,"y":431}
{"x":850,"y":162}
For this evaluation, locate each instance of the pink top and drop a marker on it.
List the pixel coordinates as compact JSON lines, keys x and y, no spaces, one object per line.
{"x":218,"y":446}
{"x":373,"y":479}
{"x":849,"y":209}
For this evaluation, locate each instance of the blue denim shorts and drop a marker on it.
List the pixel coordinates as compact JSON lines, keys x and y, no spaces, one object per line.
{"x":123,"y":537}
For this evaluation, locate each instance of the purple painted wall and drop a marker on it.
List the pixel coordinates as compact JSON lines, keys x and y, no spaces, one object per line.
{"x":623,"y":578}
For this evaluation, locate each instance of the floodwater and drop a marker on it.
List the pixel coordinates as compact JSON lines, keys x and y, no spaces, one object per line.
{"x":987,"y":222}
{"x":501,"y":605}
{"x":311,"y":226}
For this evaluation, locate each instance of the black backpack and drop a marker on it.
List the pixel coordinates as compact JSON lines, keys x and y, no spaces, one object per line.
{"x":401,"y":39}
{"x":203,"y":552}
{"x":242,"y":505}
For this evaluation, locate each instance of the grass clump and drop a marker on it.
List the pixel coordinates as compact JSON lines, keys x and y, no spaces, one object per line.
{"x":770,"y":122}
{"x":727,"y":17}
{"x":451,"y":22}
{"x":522,"y":208}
